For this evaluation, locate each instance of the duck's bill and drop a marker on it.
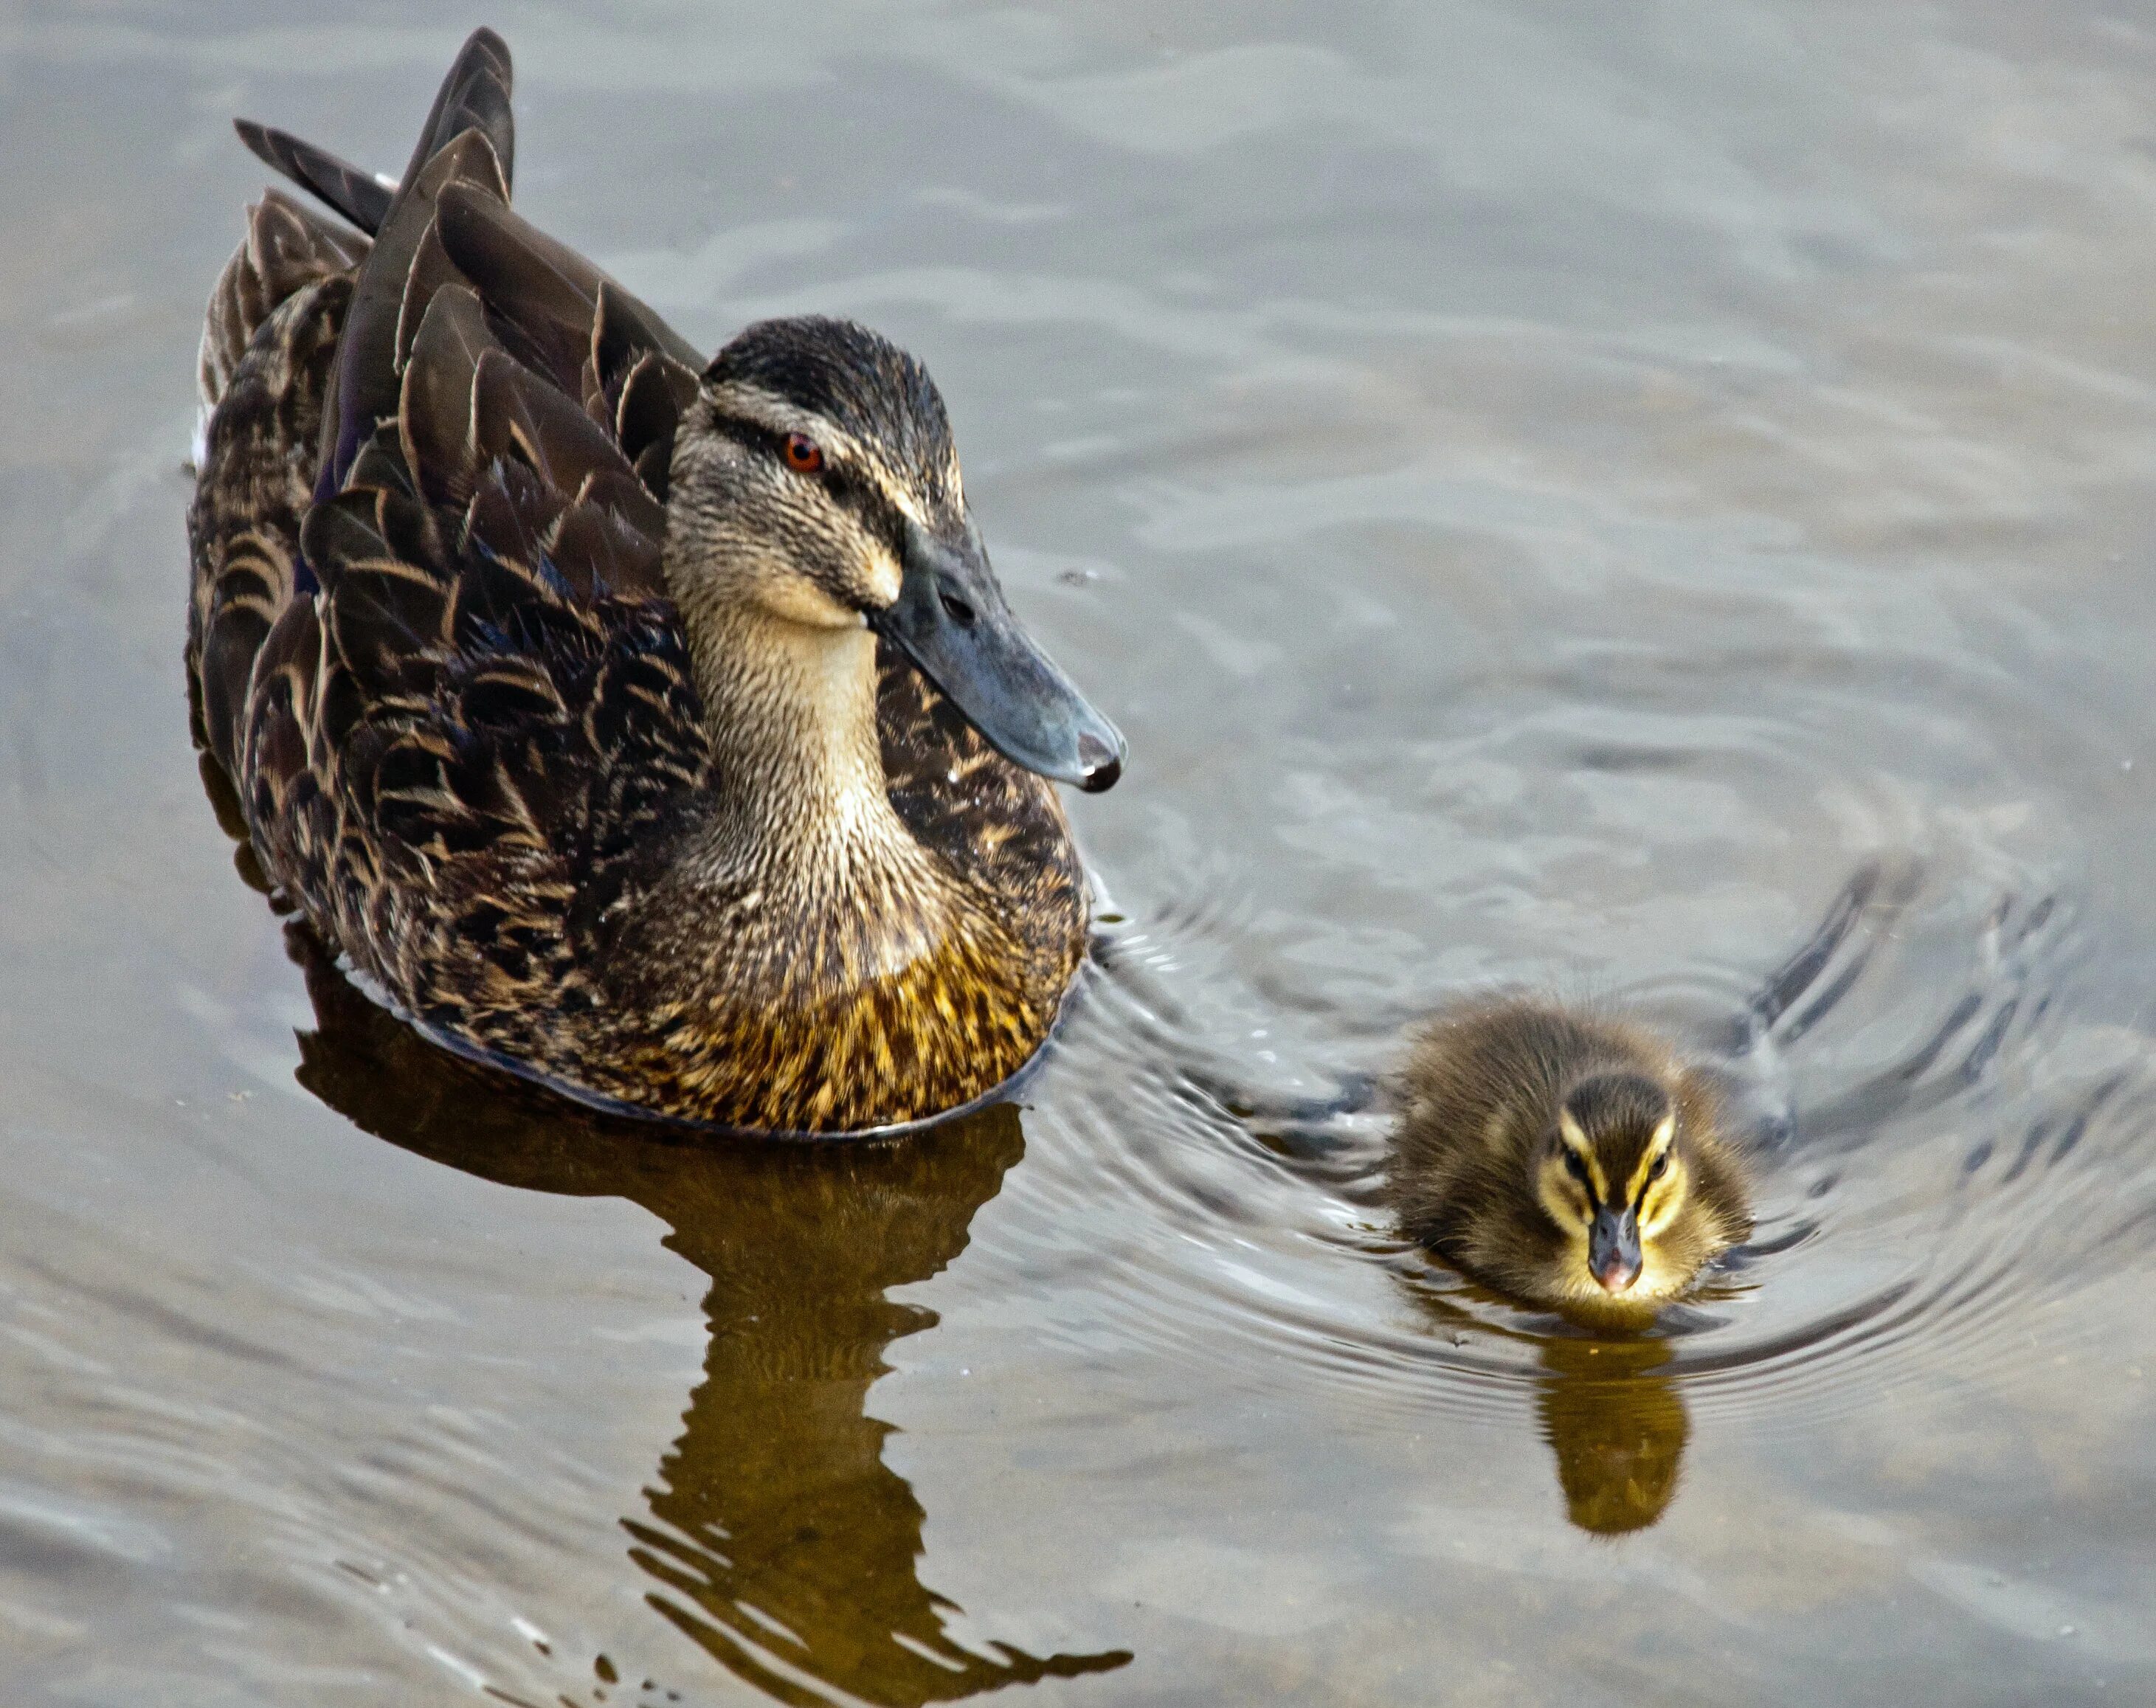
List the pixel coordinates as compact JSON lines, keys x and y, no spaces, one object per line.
{"x":951,"y":618}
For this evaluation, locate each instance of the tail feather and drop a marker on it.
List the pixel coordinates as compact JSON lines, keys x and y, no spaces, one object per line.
{"x":474,"y":96}
{"x":367,"y":378}
{"x":470,"y":136}
{"x":469,"y":121}
{"x":357,"y":195}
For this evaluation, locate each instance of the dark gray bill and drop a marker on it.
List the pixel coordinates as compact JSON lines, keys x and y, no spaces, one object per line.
{"x":951,"y":620}
{"x":1613,"y":1248}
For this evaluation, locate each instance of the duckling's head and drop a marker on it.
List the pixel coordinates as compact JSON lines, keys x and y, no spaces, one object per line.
{"x":1613,"y":1174}
{"x":814,"y":481}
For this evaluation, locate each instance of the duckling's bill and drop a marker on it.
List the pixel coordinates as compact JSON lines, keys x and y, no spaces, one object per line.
{"x":1612,"y":1247}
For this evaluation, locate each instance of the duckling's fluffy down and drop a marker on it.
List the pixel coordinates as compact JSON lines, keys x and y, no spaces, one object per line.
{"x":1479,"y":1098}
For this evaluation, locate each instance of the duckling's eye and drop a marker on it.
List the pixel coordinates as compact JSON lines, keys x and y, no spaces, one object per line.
{"x":804,"y":455}
{"x":1661,"y":1167}
{"x":1575,"y":1165}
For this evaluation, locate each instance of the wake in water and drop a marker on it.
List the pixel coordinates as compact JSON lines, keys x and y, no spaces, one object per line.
{"x":1920,"y":1181}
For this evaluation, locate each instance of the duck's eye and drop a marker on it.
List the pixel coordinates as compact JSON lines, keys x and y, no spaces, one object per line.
{"x":1575,"y":1165}
{"x":1661,"y":1167}
{"x":804,"y":455}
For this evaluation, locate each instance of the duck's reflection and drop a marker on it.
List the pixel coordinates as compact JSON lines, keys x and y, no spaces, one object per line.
{"x":777,"y":1538}
{"x":1616,"y":1422}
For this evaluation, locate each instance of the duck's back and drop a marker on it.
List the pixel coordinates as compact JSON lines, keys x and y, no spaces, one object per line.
{"x":431,"y":645}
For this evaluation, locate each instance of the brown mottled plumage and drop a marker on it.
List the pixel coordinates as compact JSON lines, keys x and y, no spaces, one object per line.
{"x":1571,"y":1160}
{"x":567,"y":684}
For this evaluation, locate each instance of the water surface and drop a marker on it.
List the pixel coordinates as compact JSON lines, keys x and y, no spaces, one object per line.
{"x":1551,"y":495}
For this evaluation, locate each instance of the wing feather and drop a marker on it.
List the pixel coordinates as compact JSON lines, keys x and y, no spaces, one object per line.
{"x":359,"y":196}
{"x":367,"y":384}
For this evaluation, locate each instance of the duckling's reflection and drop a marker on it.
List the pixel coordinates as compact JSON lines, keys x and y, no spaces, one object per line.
{"x":781,"y":1541}
{"x":1610,"y":1410}
{"x":1618,"y":1426}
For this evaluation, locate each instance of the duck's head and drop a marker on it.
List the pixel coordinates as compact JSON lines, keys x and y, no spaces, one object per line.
{"x":814,"y":478}
{"x":1612,"y":1174}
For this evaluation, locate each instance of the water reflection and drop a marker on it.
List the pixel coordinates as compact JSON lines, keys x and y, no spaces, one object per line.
{"x":779,"y":1538}
{"x":1611,"y":1410}
{"x":1618,"y":1426}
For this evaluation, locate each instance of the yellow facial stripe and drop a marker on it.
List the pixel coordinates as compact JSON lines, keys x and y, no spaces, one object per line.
{"x":1561,"y":1196}
{"x":1658,"y":1146}
{"x":1575,"y":1140}
{"x":1662,"y":1205}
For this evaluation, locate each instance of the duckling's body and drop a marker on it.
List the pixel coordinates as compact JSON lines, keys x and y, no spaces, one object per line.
{"x":580,"y":693}
{"x":1570,"y":1159}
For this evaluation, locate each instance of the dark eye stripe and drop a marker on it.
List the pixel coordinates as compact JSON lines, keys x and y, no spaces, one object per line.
{"x":862,"y":496}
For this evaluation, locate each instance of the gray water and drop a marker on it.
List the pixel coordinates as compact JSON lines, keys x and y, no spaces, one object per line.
{"x":1552,"y":494}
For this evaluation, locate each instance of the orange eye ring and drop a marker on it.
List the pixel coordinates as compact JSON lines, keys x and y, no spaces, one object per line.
{"x":804,"y":455}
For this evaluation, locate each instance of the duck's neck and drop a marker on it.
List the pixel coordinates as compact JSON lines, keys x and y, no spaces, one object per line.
{"x":799,"y":798}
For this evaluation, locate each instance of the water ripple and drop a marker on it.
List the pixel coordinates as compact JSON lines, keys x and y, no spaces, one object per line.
{"x":1917,"y":1200}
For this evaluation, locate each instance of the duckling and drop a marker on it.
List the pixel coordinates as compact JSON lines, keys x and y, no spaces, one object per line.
{"x":1570,"y":1159}
{"x":653,"y":726}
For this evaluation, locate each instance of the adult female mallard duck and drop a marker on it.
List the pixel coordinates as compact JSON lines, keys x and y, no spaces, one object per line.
{"x":1571,"y":1160}
{"x":654,"y":727}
